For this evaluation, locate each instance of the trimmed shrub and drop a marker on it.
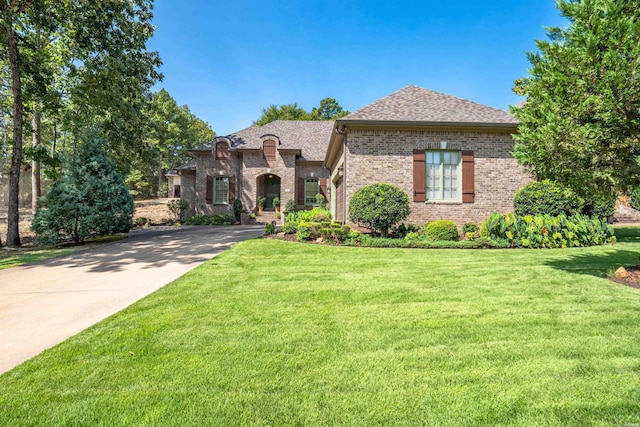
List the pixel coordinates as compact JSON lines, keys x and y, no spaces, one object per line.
{"x":379,"y":207}
{"x":325,"y":233}
{"x":600,"y":206}
{"x":544,"y":231}
{"x":546,"y":198}
{"x":442,"y":229}
{"x":290,"y":207}
{"x":270,"y":228}
{"x":320,"y":201}
{"x":635,"y":199}
{"x":211,"y":220}
{"x":289,"y":227}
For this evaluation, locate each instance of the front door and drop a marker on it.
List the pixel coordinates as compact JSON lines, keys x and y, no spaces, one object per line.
{"x":271,"y":189}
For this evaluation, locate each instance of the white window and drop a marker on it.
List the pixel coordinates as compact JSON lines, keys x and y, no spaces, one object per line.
{"x":443,"y":175}
{"x":311,"y":188}
{"x":221,"y":190}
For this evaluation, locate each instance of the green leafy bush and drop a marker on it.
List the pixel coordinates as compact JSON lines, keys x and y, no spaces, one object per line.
{"x":290,"y":206}
{"x":403,"y":229}
{"x":470,"y":227}
{"x":89,"y":200}
{"x":211,"y":220}
{"x":177,"y":208}
{"x":635,"y":198}
{"x":320,"y":201}
{"x":379,"y":207}
{"x":237,"y":209}
{"x":546,"y":198}
{"x":600,"y":206}
{"x":304,"y":231}
{"x":314,"y":215}
{"x":442,"y":229}
{"x":141,"y":221}
{"x":270,"y":228}
{"x":545,"y":231}
{"x":289,"y":227}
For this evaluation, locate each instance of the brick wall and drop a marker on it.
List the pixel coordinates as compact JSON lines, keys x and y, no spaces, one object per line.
{"x":208,"y":165}
{"x":254,"y":166}
{"x":304,"y":171}
{"x":386,"y":156}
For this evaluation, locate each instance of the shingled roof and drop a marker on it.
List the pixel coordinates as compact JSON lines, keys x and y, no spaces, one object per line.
{"x":415,"y":104}
{"x":310,"y":137}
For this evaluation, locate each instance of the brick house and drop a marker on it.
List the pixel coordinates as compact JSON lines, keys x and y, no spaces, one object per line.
{"x":451,"y":156}
{"x":281,"y":159}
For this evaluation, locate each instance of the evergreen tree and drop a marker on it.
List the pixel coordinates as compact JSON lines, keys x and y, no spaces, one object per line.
{"x":580,"y":124}
{"x":89,"y":200}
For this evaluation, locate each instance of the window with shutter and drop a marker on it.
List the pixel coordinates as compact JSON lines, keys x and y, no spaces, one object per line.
{"x":222,"y":150}
{"x":443,"y":175}
{"x":221,"y":190}
{"x":269,"y":149}
{"x":311,"y":188}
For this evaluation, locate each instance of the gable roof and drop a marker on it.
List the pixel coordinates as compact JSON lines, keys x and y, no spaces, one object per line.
{"x":415,"y":104}
{"x":310,"y":137}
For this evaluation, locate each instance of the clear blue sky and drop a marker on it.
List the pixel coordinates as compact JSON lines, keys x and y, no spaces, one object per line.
{"x":227,"y":59}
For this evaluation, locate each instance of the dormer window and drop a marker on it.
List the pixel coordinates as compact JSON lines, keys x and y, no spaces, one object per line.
{"x":269,"y":149}
{"x":222,"y":150}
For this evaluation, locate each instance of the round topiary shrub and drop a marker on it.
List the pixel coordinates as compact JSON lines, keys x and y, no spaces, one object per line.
{"x":379,"y":207}
{"x":442,"y":229}
{"x":546,"y":198}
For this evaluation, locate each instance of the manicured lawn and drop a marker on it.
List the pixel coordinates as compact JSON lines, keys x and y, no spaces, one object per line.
{"x":13,"y":258}
{"x":280,"y":333}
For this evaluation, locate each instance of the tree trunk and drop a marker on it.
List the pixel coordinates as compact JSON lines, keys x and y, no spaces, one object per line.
{"x":160,"y":176}
{"x":36,"y":187}
{"x":13,"y":233}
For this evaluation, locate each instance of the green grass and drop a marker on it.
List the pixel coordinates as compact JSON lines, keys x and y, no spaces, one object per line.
{"x":13,"y":258}
{"x":281,"y":333}
{"x":22,"y":256}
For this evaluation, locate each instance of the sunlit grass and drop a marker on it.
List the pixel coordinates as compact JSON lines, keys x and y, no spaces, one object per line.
{"x":281,"y":333}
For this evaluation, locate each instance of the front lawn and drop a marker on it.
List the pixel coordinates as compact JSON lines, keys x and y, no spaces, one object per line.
{"x":282,"y":333}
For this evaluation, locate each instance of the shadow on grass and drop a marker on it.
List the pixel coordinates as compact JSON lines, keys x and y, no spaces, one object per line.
{"x":598,"y":265}
{"x":627,"y":234}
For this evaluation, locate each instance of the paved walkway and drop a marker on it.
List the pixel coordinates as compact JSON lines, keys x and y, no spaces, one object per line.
{"x":45,"y":303}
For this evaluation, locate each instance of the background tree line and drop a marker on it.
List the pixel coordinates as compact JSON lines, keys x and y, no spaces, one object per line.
{"x":70,"y":65}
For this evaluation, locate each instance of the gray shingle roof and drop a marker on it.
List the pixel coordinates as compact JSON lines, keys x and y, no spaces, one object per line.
{"x":310,"y":137}
{"x":415,"y":104}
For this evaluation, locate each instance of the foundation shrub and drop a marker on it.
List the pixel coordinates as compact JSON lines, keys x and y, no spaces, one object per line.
{"x":546,"y":198}
{"x":442,"y":229}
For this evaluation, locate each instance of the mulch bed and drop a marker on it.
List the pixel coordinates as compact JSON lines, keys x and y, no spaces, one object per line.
{"x":633,"y":280}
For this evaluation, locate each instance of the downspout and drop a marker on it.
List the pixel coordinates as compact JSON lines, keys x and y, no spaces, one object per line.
{"x":343,"y":131}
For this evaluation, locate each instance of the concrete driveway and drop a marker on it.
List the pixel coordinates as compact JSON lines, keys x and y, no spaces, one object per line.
{"x":45,"y":303}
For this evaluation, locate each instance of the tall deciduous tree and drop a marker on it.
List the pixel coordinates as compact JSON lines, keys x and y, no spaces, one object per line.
{"x":580,"y":124}
{"x":329,"y":109}
{"x":108,"y":71}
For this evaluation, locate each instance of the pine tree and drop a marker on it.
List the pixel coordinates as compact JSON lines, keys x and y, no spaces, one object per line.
{"x":89,"y":200}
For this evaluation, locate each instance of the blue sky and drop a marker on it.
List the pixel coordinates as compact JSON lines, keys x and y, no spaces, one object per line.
{"x":227,"y":59}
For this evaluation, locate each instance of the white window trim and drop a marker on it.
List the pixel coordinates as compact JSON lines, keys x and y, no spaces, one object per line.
{"x":215,"y":179}
{"x":441,"y":199}
{"x":305,"y":190}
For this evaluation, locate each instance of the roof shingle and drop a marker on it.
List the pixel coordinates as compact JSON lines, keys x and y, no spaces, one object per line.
{"x":415,"y":104}
{"x":310,"y":137}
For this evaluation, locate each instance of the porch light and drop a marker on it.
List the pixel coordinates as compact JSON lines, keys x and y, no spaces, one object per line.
{"x":270,"y":176}
{"x":221,"y":172}
{"x":268,"y":170}
{"x":312,"y":174}
{"x":340,"y":171}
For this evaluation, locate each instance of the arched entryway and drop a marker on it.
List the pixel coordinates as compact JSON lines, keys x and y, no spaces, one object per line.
{"x":270,"y":189}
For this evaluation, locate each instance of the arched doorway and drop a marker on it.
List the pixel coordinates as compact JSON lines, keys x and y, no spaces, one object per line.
{"x":271,"y":189}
